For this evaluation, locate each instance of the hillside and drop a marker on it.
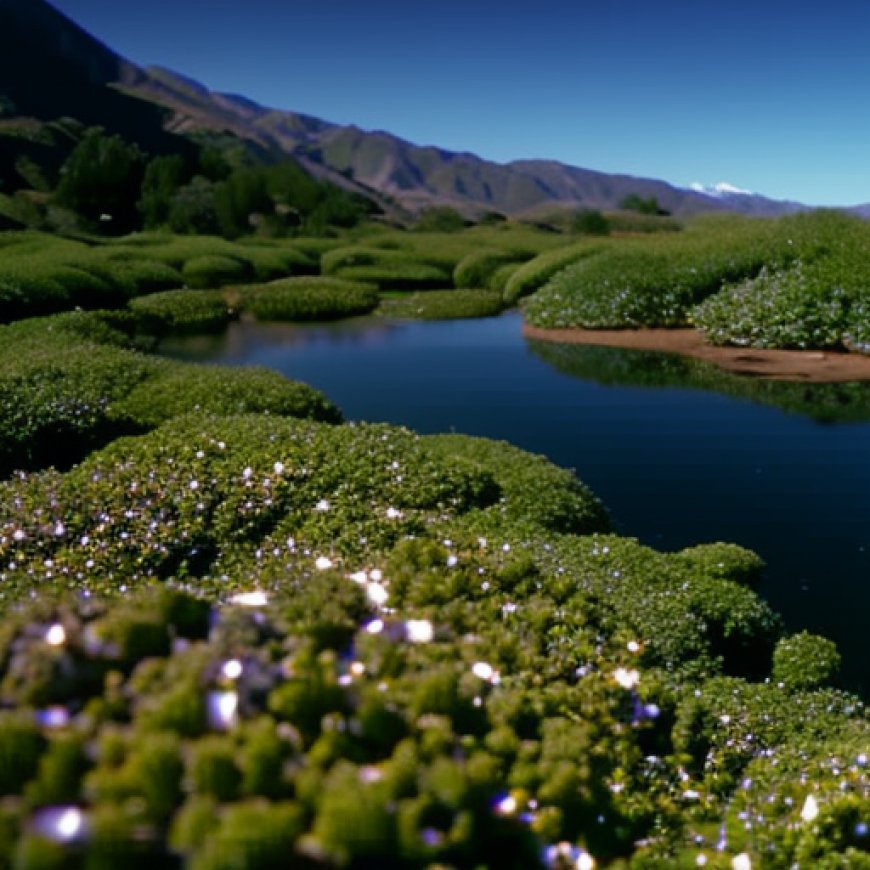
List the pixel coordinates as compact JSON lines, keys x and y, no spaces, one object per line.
{"x":418,"y":176}
{"x":51,"y":68}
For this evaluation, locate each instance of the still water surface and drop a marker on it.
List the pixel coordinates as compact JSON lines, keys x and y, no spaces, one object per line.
{"x":676,"y":465}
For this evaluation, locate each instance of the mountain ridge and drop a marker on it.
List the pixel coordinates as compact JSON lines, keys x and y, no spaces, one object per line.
{"x":41,"y":44}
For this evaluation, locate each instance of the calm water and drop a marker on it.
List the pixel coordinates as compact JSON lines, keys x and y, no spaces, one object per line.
{"x":677,"y":465}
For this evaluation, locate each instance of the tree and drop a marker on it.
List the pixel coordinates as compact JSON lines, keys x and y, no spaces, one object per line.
{"x":440,"y":219}
{"x":163,"y":177}
{"x":590,"y":222}
{"x":192,"y":209}
{"x":101,"y":180}
{"x":643,"y":205}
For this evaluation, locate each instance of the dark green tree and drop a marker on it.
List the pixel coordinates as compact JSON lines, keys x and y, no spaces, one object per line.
{"x":641,"y":204}
{"x":440,"y":219}
{"x":193,"y":210}
{"x":590,"y":222}
{"x":163,"y":177}
{"x":242,"y":201}
{"x":101,"y":180}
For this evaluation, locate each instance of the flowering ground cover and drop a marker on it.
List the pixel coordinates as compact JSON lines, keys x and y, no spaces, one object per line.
{"x":248,"y":640}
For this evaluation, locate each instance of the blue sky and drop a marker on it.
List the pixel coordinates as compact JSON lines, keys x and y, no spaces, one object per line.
{"x":768,"y":96}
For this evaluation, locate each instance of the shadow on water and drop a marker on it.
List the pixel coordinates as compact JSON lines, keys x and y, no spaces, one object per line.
{"x":613,"y":366}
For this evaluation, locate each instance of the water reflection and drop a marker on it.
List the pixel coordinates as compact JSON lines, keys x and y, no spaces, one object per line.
{"x":613,"y":366}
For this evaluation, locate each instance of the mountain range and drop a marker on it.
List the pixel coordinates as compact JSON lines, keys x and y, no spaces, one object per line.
{"x":51,"y":68}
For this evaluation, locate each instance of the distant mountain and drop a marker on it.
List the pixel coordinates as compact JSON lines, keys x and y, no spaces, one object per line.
{"x":50,"y":67}
{"x":417,"y":175}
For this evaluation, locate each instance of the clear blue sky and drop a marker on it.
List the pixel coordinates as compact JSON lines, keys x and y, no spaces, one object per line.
{"x":769,"y":96}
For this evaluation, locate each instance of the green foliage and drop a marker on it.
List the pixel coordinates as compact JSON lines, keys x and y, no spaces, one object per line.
{"x":101,"y":181}
{"x":176,"y":389}
{"x":537,"y":271}
{"x":183,"y":311}
{"x":641,"y":204}
{"x":69,"y":384}
{"x":202,"y":273}
{"x":193,"y":208}
{"x":310,"y":298}
{"x":444,"y":305}
{"x":387,"y":269}
{"x":590,"y":222}
{"x":655,"y":281}
{"x":476,"y":269}
{"x":440,"y":219}
{"x":805,"y":661}
{"x":163,"y":176}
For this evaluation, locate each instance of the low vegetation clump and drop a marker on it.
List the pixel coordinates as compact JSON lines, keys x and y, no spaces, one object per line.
{"x":214,"y":270}
{"x":533,"y":274}
{"x":309,"y":298}
{"x":385,"y":268}
{"x":799,"y":282}
{"x":479,"y":268}
{"x":70,"y":383}
{"x":183,"y":311}
{"x":653,"y":281}
{"x":444,"y":305}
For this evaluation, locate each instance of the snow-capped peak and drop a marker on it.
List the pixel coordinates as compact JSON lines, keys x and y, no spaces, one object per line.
{"x":722,"y":188}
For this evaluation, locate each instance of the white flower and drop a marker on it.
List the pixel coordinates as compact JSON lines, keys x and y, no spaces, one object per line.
{"x":810,"y":809}
{"x":359,"y":577}
{"x":322,"y":506}
{"x":232,"y":669}
{"x":56,"y":635}
{"x":248,"y":473}
{"x":250,"y":599}
{"x":377,"y":594}
{"x":741,"y":862}
{"x":633,"y":646}
{"x":323,"y":563}
{"x":485,"y":671}
{"x":626,"y":678}
{"x":419,"y":630}
{"x":278,"y":467}
{"x":393,"y":513}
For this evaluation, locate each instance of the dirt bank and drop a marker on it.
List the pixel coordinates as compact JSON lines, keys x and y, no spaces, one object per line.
{"x":784,"y":365}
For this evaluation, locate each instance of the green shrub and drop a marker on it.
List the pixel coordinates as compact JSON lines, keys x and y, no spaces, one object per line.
{"x":312,"y":298}
{"x":397,"y":276}
{"x":655,"y":281}
{"x":805,"y":661}
{"x":178,"y":389}
{"x":444,"y":305}
{"x":476,"y":269}
{"x":537,"y":271}
{"x":255,"y":836}
{"x":726,"y":562}
{"x":799,"y":307}
{"x":271,"y":263}
{"x":55,"y":402}
{"x":183,"y":311}
{"x":202,"y":273}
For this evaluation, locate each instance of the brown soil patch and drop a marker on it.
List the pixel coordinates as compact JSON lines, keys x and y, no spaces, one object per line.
{"x":783,"y":365}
